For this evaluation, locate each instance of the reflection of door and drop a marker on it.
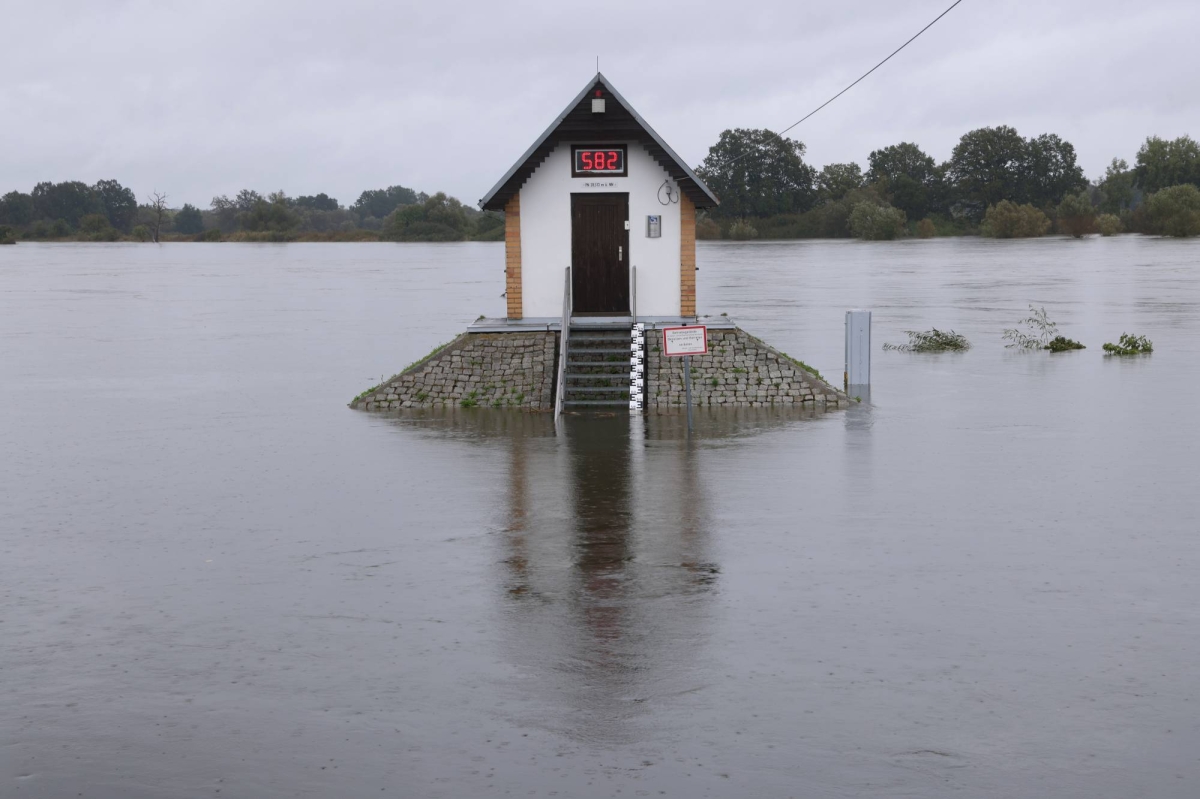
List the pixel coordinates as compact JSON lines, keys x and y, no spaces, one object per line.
{"x":600,"y":253}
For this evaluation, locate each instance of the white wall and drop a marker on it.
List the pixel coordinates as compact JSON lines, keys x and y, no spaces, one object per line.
{"x":546,"y":232}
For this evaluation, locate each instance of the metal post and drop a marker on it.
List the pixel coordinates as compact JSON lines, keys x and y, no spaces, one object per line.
{"x":687,"y":387}
{"x":858,"y":350}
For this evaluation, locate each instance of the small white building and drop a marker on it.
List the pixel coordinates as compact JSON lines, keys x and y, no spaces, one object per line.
{"x":601,"y":192}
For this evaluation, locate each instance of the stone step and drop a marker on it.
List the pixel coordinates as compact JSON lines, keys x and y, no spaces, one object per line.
{"x":597,"y":389}
{"x":616,"y":335}
{"x":597,"y":350}
{"x":612,"y":365}
{"x":600,"y":376}
{"x":593,"y":403}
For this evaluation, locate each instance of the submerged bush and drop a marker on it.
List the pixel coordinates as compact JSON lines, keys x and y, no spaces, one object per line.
{"x":1129,"y":345}
{"x":874,"y":222}
{"x":1109,"y":224}
{"x":212,"y":234}
{"x":1174,"y":211}
{"x":707,"y":229}
{"x":1062,"y":344}
{"x":926,"y":229}
{"x":1076,"y":215}
{"x":741,"y":230}
{"x":1040,"y":331}
{"x":95,"y":227}
{"x":1007,"y":220}
{"x":7,"y":235}
{"x":931,"y":341}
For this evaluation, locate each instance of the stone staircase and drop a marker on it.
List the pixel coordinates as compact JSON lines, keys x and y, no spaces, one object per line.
{"x":598,"y":368}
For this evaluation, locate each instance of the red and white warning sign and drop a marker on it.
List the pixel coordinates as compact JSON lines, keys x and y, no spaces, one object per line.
{"x":689,"y":340}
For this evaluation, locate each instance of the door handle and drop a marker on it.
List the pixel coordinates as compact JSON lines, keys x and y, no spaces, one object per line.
{"x":620,"y":253}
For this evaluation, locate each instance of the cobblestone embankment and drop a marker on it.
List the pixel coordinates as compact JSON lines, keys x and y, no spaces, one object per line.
{"x":740,"y":371}
{"x":492,"y":370}
{"x":518,"y":370}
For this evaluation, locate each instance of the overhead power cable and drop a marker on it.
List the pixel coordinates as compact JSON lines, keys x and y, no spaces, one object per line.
{"x":779,"y":135}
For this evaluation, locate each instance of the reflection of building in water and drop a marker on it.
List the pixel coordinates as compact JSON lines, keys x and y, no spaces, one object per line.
{"x":605,"y":573}
{"x":605,"y":614}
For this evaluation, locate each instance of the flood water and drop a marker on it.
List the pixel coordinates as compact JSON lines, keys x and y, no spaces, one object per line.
{"x":217,"y":580}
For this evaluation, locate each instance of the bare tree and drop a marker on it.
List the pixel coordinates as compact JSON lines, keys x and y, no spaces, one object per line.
{"x":158,"y":209}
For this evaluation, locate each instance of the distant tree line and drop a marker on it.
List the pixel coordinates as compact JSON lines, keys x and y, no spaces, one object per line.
{"x":107,"y":211}
{"x":995,"y":183}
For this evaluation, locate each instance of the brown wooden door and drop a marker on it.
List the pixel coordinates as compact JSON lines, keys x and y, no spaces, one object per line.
{"x":600,"y":253}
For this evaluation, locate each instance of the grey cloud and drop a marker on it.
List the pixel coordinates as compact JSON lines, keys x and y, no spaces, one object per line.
{"x":201,"y":99}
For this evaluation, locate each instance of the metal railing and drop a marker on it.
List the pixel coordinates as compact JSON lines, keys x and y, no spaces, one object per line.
{"x":633,"y":293}
{"x":562,"y":346}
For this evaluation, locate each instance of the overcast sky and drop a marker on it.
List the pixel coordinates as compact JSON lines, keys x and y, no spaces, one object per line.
{"x":206,"y":97}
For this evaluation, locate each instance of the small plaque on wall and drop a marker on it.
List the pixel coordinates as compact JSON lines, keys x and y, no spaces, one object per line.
{"x":653,"y":226}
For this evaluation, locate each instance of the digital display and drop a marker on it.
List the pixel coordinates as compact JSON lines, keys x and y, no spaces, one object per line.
{"x":598,"y":161}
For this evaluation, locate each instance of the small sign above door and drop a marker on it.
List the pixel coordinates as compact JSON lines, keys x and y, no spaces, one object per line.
{"x":689,"y":340}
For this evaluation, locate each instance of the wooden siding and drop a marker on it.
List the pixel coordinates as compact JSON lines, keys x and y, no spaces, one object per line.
{"x":512,"y":256}
{"x":687,"y":256}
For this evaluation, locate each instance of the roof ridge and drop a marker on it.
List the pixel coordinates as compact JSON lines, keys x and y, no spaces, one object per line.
{"x":600,"y":79}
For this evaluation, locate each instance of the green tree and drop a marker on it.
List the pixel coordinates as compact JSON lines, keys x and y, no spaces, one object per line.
{"x":270,"y":215}
{"x":758,"y":174}
{"x":875,"y":222}
{"x":1174,"y":211}
{"x":986,"y":167}
{"x":16,"y":209}
{"x":1117,"y":187}
{"x":225,"y":211}
{"x":68,"y":201}
{"x":118,"y":202}
{"x":319,"y":202}
{"x":1007,"y":220}
{"x":96,"y":227}
{"x":439,"y":218}
{"x":1049,"y":171}
{"x":247,"y":199}
{"x":1076,"y":215}
{"x":1162,"y":163}
{"x":1108,"y":224}
{"x":189,"y":220}
{"x":909,"y":179}
{"x":381,"y":202}
{"x":835,"y":181}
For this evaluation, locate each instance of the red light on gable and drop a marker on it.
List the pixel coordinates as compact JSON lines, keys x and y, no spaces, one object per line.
{"x":599,"y":93}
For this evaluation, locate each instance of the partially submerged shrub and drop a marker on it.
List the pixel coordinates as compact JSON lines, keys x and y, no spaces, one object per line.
{"x":1039,"y":334}
{"x":1109,"y":224}
{"x":212,"y":234}
{"x":1174,"y":211}
{"x":7,"y":235}
{"x":741,"y":230}
{"x":1062,"y":344}
{"x":876,"y":222}
{"x":1129,"y":345}
{"x":1039,"y":330}
{"x":931,"y":341}
{"x":1007,"y":220}
{"x":926,"y":228}
{"x":708,"y":229}
{"x":1076,"y":215}
{"x":95,"y":227}
{"x":141,"y":233}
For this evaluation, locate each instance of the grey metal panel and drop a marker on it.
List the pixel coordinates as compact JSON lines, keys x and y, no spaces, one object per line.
{"x":858,"y":348}
{"x":687,"y":170}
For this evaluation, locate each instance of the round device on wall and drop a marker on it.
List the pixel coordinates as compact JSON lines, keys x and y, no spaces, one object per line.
{"x":668,"y":193}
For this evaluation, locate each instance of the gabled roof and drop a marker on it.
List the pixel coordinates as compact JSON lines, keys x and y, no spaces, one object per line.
{"x":619,"y":122}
